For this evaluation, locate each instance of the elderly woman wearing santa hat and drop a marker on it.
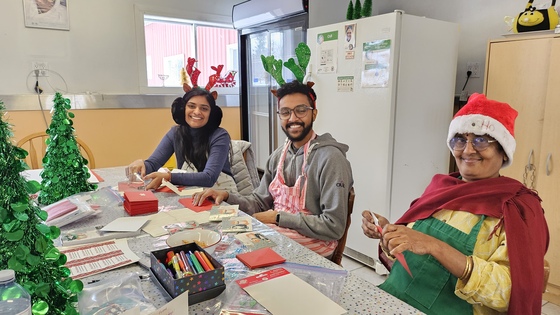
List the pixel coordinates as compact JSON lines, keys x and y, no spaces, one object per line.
{"x":474,"y":241}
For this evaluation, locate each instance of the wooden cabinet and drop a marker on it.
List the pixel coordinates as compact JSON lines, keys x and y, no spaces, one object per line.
{"x":525,"y":72}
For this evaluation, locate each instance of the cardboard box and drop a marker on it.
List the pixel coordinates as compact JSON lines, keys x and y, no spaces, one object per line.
{"x":140,"y":202}
{"x":201,"y":287}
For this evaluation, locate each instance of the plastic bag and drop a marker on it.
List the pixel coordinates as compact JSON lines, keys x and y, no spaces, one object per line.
{"x":330,"y":282}
{"x":80,"y":206}
{"x":113,"y":296}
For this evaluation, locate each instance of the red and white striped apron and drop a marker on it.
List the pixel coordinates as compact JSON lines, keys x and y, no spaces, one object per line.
{"x":292,"y":200}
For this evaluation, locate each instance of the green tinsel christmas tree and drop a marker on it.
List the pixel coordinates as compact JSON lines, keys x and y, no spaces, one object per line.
{"x":26,"y":244}
{"x":357,"y":10}
{"x":64,"y":168}
{"x":350,"y":11}
{"x":366,"y":8}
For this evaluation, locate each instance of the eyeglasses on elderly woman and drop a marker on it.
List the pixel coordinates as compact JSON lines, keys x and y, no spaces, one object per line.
{"x":479,"y":143}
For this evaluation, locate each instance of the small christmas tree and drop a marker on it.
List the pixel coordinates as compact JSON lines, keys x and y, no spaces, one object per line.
{"x":64,"y":168}
{"x":350,"y":11}
{"x":357,"y":10}
{"x":26,"y":244}
{"x":366,"y":8}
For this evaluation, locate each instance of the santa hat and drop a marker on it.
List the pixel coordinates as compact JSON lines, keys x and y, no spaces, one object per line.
{"x":482,"y":116}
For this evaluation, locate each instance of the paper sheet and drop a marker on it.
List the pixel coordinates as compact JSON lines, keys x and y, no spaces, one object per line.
{"x":175,"y":306}
{"x":187,"y":191}
{"x":36,"y":175}
{"x":158,"y":220}
{"x":90,"y":259}
{"x":283,"y":293}
{"x":125,"y":224}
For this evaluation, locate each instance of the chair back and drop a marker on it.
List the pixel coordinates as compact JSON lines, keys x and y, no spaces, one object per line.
{"x":243,"y":167}
{"x":339,"y":250}
{"x":36,"y":146}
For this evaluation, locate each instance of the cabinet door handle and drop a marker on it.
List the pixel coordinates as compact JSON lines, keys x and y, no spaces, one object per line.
{"x":530,"y":159}
{"x":548,"y":168}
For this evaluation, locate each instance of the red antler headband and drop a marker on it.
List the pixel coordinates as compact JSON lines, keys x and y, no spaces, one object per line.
{"x":193,"y":74}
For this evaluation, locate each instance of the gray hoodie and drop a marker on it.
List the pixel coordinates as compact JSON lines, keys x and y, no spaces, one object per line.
{"x":329,"y":177}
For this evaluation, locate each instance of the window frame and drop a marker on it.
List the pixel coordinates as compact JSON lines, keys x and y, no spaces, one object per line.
{"x":198,"y":18}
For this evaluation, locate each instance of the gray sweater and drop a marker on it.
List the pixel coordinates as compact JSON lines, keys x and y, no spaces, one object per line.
{"x":329,"y":182}
{"x":218,"y":159}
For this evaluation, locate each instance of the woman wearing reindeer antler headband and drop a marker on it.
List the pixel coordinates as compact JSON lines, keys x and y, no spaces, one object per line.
{"x":201,"y":147}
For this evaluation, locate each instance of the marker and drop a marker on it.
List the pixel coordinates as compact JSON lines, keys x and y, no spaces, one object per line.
{"x":191,"y":265}
{"x":208,"y":262}
{"x":195,"y":262}
{"x":178,"y":271}
{"x":189,"y":268}
{"x":183,"y":265}
{"x":201,"y":261}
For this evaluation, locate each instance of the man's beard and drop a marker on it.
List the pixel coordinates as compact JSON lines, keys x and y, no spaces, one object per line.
{"x":304,"y":133}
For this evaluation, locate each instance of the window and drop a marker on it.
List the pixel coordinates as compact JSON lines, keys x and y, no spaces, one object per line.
{"x":171,"y":41}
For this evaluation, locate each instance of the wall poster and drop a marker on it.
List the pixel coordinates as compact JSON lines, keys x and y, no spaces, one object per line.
{"x":46,"y":14}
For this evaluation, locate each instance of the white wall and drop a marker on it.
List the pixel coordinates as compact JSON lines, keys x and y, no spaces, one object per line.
{"x":479,"y":20}
{"x":98,"y":54}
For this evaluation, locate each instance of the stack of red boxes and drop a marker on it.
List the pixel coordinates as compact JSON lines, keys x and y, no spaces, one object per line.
{"x":140,"y":202}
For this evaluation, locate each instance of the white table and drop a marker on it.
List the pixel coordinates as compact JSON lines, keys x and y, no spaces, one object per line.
{"x":357,"y":296}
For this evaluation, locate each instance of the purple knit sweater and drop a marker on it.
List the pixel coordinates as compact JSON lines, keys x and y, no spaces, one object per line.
{"x":218,"y":160}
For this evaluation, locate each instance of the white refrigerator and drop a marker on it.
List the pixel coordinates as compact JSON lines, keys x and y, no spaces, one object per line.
{"x":385,"y":86}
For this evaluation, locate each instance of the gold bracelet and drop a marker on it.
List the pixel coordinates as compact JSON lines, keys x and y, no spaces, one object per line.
{"x":468,"y":276}
{"x":468,"y":269}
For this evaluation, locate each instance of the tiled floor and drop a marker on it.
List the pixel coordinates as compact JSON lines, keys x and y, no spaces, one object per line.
{"x":370,"y":275}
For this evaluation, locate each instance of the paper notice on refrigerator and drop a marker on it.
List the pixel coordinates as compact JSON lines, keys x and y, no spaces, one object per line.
{"x":376,"y":63}
{"x":345,"y":83}
{"x":327,"y":46}
{"x":350,"y":40}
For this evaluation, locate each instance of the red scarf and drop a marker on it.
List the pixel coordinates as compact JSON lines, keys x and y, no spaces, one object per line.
{"x":523,"y":217}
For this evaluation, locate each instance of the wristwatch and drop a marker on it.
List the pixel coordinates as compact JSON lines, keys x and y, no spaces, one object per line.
{"x":277,"y":218}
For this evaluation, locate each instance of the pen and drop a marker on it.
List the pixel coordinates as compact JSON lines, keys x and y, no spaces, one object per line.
{"x":195,"y":262}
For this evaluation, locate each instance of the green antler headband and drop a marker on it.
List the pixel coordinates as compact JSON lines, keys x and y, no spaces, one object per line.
{"x":274,"y":66}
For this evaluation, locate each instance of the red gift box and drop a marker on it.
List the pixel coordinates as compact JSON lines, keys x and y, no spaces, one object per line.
{"x":140,"y":202}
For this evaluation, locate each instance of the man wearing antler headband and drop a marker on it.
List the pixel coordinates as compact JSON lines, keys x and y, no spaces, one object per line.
{"x":201,"y":147}
{"x":303,"y":193}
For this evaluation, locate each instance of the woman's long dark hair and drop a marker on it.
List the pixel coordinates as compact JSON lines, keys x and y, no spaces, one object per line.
{"x":195,"y":150}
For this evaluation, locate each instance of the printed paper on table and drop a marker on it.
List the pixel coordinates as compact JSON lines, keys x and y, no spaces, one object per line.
{"x":217,"y":213}
{"x":283,"y":293}
{"x":90,"y":259}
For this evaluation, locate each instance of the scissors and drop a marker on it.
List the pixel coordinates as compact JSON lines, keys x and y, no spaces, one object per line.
{"x":399,"y":256}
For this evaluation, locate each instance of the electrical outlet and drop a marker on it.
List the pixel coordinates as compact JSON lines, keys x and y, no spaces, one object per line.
{"x":42,"y":67}
{"x":475,"y":69}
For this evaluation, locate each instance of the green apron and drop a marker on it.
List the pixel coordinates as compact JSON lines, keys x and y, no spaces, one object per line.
{"x":432,"y":290}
